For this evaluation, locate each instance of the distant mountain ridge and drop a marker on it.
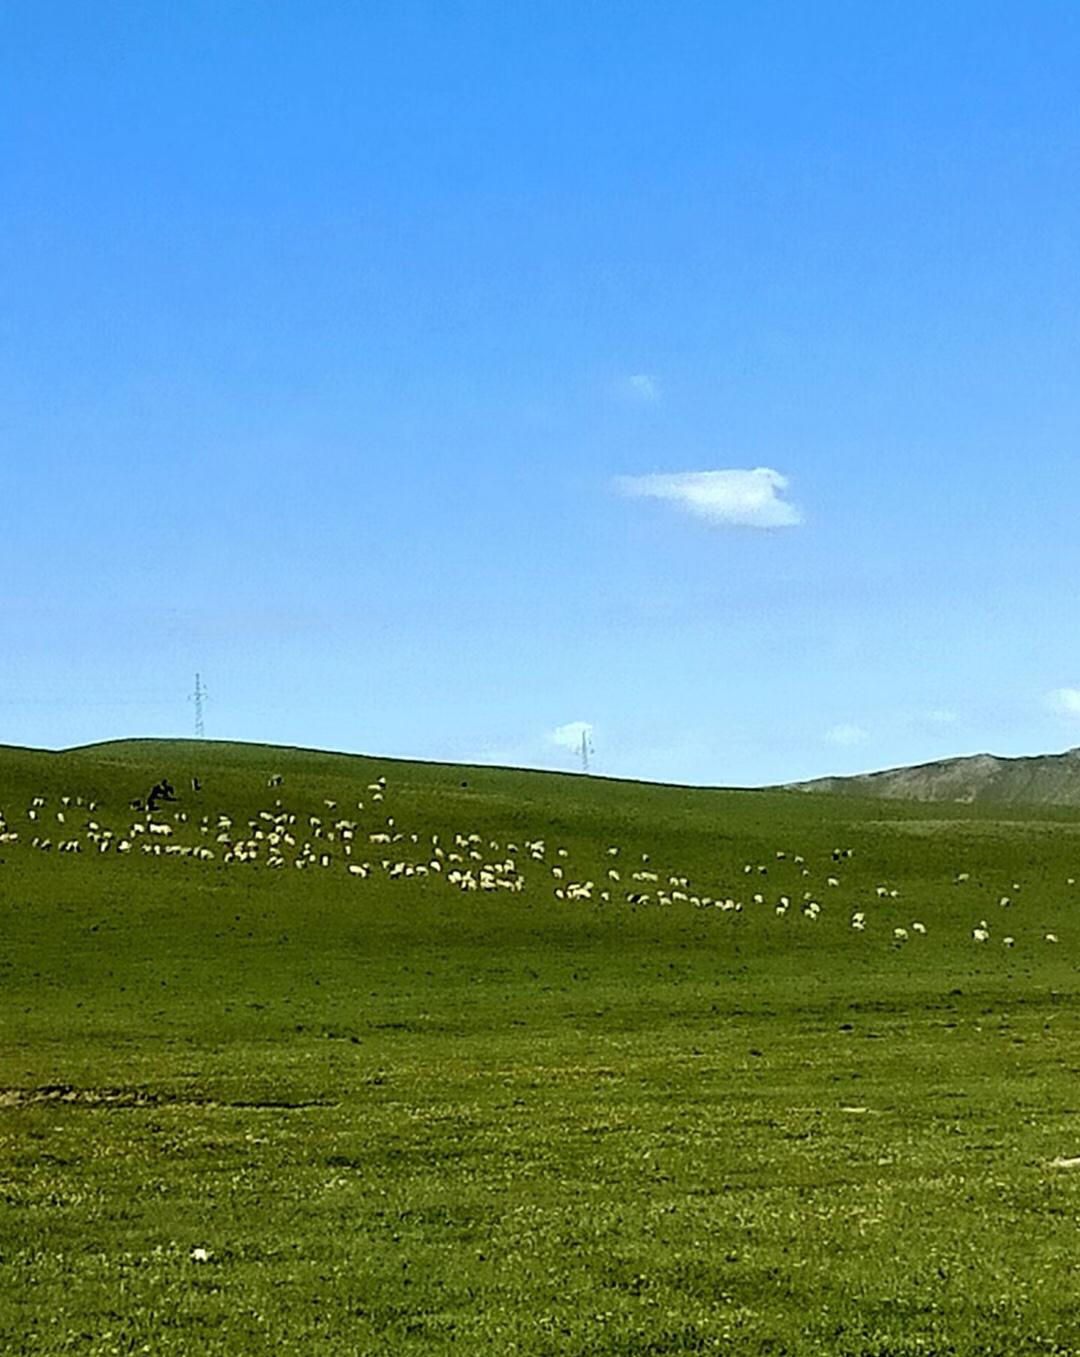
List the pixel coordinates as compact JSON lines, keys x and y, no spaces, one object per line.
{"x":1038,"y":779}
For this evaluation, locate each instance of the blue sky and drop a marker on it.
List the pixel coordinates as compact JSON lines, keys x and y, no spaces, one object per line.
{"x":370,"y":359}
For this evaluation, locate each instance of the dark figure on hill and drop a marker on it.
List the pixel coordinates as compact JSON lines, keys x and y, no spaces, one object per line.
{"x":161,"y":791}
{"x":196,"y":785}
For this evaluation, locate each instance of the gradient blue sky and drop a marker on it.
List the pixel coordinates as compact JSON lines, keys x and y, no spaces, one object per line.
{"x":331,"y":334}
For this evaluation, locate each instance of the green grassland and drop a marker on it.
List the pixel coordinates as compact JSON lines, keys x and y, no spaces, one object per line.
{"x":258,"y":1109}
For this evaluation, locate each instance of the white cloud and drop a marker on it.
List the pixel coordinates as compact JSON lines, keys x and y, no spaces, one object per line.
{"x":847,"y":734}
{"x":745,"y":498}
{"x":1065,"y":701}
{"x":569,"y":736}
{"x":643,"y":386}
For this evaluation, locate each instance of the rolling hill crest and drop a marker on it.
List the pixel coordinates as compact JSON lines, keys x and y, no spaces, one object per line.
{"x":1041,"y":779}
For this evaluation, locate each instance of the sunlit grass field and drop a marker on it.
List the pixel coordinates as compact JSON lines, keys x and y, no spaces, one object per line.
{"x":248,"y":1108}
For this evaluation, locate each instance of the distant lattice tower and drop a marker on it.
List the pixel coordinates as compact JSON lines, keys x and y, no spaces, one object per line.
{"x":199,"y":697}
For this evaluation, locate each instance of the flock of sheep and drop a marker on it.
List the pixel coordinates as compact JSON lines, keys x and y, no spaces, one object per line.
{"x":278,"y":838}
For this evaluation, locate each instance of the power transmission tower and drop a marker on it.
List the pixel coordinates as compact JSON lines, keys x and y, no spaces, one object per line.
{"x":586,"y":750}
{"x":199,"y":697}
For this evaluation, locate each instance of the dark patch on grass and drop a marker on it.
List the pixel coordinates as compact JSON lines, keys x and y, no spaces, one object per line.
{"x":118,"y":1098}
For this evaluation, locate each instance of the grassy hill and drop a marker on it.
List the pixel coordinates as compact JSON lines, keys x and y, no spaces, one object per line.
{"x":345,"y":1055}
{"x":1037,"y":780}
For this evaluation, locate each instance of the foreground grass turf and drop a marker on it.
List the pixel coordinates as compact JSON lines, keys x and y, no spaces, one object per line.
{"x":245,"y":1110}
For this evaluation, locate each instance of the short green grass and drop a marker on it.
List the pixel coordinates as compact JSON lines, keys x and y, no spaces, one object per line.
{"x":255,"y":1110}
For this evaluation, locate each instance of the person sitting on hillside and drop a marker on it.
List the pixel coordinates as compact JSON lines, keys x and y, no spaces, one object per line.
{"x":161,"y":791}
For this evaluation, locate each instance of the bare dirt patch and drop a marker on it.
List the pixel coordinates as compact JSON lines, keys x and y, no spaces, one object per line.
{"x":139,"y":1097}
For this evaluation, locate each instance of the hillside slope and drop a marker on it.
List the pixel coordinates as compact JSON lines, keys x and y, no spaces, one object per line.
{"x":1039,"y":780}
{"x":333,"y":1054}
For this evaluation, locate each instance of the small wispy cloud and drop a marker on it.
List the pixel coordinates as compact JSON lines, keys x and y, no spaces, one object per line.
{"x":734,"y":497}
{"x":571,"y":735}
{"x":847,"y":734}
{"x":941,"y":716}
{"x":1064,"y":701}
{"x":643,"y":386}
